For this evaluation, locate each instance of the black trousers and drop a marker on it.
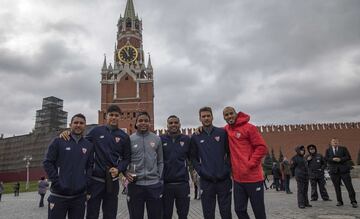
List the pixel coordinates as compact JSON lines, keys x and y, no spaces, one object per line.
{"x":99,"y":197}
{"x":302,"y":190}
{"x":287,"y":183}
{"x":41,"y":203}
{"x":346,"y":178}
{"x":180,"y":194}
{"x":212,"y":190}
{"x":253,"y":191}
{"x":74,"y":208}
{"x":139,"y":196}
{"x":314,"y":182}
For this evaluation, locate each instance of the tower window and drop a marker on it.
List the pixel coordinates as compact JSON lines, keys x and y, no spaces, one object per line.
{"x":126,"y":78}
{"x":137,"y":24}
{"x":128,"y":22}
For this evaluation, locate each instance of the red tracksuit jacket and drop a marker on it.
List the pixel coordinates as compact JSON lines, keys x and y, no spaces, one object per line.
{"x":247,"y":148}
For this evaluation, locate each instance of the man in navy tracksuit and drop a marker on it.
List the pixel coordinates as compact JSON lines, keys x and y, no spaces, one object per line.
{"x":176,"y":148}
{"x":210,"y":158}
{"x":112,"y":156}
{"x":68,"y":165}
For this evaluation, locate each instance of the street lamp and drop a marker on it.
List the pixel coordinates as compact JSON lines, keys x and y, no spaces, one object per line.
{"x":27,"y":160}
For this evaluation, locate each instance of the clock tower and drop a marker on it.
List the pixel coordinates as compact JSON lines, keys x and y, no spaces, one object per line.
{"x":129,"y":82}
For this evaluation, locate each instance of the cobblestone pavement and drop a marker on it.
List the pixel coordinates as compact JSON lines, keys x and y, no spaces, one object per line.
{"x":278,"y":206}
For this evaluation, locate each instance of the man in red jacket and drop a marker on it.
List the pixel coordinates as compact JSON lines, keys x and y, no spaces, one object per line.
{"x":247,"y":148}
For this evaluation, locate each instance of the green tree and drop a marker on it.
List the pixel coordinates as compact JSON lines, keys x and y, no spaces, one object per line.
{"x":281,"y":156}
{"x":273,"y":158}
{"x":267,"y":164}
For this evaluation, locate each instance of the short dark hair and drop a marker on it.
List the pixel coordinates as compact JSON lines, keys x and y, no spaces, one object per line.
{"x":205,"y":109}
{"x":173,"y":116}
{"x":42,"y":178}
{"x":79,"y":115}
{"x":113,"y":108}
{"x":143,"y":113}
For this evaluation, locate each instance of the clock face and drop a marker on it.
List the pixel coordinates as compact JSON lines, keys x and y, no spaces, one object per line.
{"x":127,"y":54}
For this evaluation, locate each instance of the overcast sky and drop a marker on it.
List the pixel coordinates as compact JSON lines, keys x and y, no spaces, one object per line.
{"x":282,"y":62}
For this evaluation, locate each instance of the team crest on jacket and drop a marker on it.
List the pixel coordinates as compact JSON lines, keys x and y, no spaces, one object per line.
{"x":238,"y":134}
{"x":217,"y":138}
{"x":51,"y":205}
{"x":152,"y":144}
{"x":117,"y":139}
{"x":84,"y":150}
{"x":182,"y":143}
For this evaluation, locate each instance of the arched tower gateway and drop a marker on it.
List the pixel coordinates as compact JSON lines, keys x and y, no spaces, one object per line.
{"x":129,"y":83}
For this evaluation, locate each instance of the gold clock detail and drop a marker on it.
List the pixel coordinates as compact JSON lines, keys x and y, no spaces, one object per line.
{"x":127,"y":54}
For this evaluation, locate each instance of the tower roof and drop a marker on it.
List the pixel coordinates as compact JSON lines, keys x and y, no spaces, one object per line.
{"x":149,"y":66}
{"x":104,"y":64}
{"x":129,"y":10}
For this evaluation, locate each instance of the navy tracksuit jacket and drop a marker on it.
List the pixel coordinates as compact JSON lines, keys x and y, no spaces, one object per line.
{"x":68,"y":165}
{"x":211,"y":160}
{"x":176,"y":152}
{"x":112,"y":149}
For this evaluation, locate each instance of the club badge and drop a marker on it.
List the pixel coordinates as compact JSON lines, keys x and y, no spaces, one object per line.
{"x":152,"y":144}
{"x":165,"y":144}
{"x":217,"y":138}
{"x":238,"y":134}
{"x":182,"y":143}
{"x":51,"y":205}
{"x":84,"y":150}
{"x":117,"y":139}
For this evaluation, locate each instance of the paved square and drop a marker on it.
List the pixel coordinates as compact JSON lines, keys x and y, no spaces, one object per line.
{"x":278,"y":204}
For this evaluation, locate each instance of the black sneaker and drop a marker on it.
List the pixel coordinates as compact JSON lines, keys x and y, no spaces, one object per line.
{"x":327,"y":200}
{"x":302,"y":206}
{"x":308,"y":205}
{"x":354,"y":205}
{"x":340,"y":204}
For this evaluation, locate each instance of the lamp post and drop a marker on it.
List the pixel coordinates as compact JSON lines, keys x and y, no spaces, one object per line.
{"x":27,"y":160}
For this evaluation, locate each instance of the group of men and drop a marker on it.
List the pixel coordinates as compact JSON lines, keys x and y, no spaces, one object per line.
{"x":86,"y":169}
{"x":310,"y":167}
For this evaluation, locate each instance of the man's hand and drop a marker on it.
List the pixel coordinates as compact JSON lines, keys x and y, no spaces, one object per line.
{"x":65,"y":135}
{"x":129,"y":177}
{"x":198,"y":130}
{"x":114,"y":172}
{"x":336,"y":159}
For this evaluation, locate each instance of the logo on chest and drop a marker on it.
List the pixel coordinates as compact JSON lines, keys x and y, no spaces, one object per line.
{"x":84,"y":150}
{"x":117,"y":139}
{"x":182,"y":143}
{"x":165,"y":144}
{"x":237,"y":134}
{"x":217,"y":138}
{"x":68,"y":148}
{"x":152,"y":144}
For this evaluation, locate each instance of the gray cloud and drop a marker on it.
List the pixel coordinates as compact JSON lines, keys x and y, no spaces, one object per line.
{"x":282,"y":62}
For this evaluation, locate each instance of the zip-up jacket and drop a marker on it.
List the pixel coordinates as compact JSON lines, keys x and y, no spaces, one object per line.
{"x":146,"y":158}
{"x":176,"y":154}
{"x":210,"y":155}
{"x":247,"y":149}
{"x":316,"y":164}
{"x":112,"y":149}
{"x":298,"y":164}
{"x":68,"y":165}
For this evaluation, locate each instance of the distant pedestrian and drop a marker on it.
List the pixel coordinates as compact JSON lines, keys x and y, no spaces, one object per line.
{"x":16,"y":189}
{"x":337,"y":158}
{"x":286,"y":174}
{"x":1,"y":189}
{"x":300,"y":170}
{"x":266,"y":178}
{"x":43,"y":186}
{"x":276,"y":176}
{"x":316,"y":164}
{"x":196,"y":181}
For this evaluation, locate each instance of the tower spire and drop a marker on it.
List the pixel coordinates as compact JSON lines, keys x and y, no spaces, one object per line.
{"x":149,"y":66}
{"x":104,"y":64}
{"x":129,"y":10}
